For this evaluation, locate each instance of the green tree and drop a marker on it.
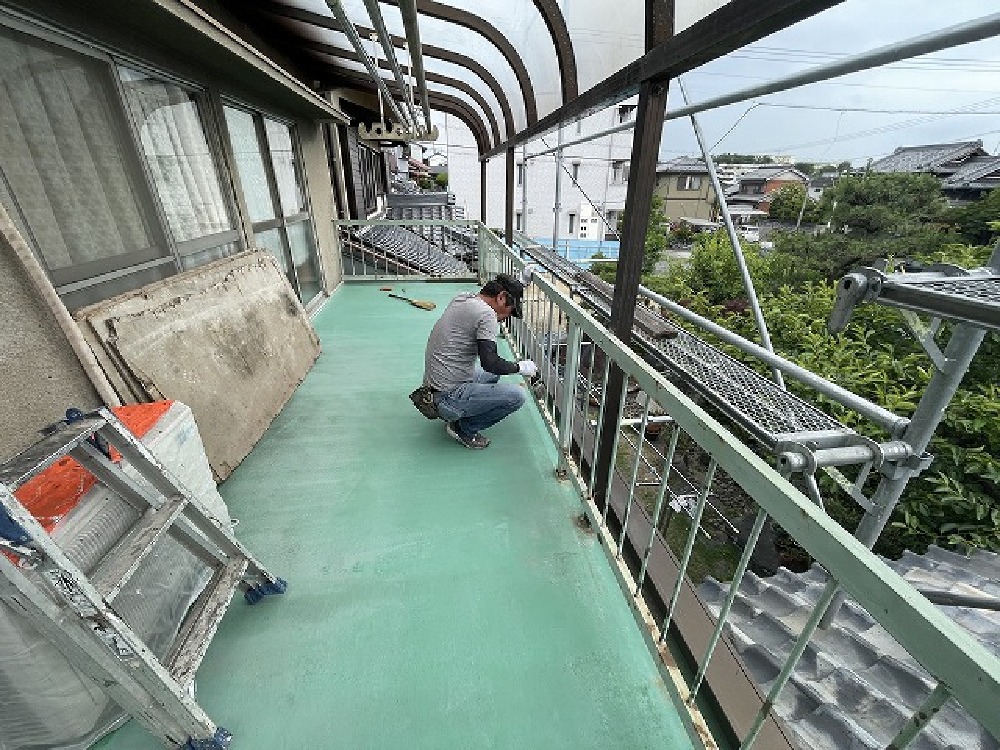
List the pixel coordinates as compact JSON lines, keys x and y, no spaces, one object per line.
{"x":657,"y":240}
{"x":787,"y":203}
{"x":978,"y":221}
{"x":956,"y":502}
{"x":805,"y":167}
{"x":441,"y":180}
{"x":878,"y":203}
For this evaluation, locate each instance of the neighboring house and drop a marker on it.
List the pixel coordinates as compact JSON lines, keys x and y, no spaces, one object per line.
{"x":819,"y":183}
{"x":973,"y":180}
{"x":730,"y":173}
{"x":418,"y":170}
{"x":756,"y":188}
{"x":965,"y":169}
{"x":686,"y":189}
{"x":593,"y":182}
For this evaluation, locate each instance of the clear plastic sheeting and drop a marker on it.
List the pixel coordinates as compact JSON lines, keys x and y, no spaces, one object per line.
{"x":524,"y":27}
{"x":46,"y":701}
{"x":604,"y":42}
{"x":689,"y":12}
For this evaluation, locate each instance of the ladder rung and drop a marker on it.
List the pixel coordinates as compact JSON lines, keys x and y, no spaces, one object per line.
{"x":40,"y":456}
{"x":203,"y":621}
{"x":124,"y":559}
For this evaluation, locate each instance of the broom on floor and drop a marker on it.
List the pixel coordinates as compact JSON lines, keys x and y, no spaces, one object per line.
{"x":421,"y":303}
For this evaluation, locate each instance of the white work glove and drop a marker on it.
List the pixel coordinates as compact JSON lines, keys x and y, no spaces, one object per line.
{"x":527,"y":368}
{"x":526,"y":273}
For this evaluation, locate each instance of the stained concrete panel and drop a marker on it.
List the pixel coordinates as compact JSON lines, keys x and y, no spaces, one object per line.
{"x":229,"y":339}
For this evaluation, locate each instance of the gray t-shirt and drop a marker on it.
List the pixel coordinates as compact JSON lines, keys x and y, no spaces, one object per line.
{"x":450,"y":357}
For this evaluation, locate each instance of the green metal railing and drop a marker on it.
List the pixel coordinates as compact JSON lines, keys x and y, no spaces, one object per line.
{"x":574,"y":354}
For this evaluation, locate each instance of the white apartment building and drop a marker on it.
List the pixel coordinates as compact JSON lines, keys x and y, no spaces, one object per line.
{"x":592,"y":187}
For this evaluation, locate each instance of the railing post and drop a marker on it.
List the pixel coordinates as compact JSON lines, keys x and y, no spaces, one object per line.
{"x":482,"y":190}
{"x":568,"y":403}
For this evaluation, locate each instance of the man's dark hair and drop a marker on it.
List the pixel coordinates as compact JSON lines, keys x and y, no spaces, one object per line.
{"x":508,"y":284}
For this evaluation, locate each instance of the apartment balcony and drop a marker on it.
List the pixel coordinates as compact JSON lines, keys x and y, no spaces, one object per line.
{"x":440,"y":597}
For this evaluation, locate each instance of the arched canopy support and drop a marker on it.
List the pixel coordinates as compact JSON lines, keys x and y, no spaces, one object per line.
{"x":734,"y":25}
{"x":473,"y":22}
{"x":429,"y":50}
{"x":556,"y":24}
{"x":333,"y":51}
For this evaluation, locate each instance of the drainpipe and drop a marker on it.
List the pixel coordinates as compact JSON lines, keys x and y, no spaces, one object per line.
{"x":47,"y":292}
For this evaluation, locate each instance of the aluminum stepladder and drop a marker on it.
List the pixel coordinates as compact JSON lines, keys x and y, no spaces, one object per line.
{"x":76,"y":613}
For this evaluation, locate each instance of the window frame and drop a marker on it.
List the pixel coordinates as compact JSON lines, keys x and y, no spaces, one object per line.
{"x":689,"y":182}
{"x":619,"y":171}
{"x":81,"y":276}
{"x":281,"y":222}
{"x":182,"y":249}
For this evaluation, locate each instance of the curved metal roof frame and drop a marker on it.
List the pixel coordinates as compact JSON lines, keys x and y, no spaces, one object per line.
{"x":474,"y":23}
{"x":440,"y":101}
{"x":429,"y":50}
{"x":733,"y":24}
{"x":559,"y":31}
{"x":334,"y":51}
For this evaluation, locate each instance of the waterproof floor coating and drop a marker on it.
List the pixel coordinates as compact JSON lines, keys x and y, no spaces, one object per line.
{"x":438,"y":597}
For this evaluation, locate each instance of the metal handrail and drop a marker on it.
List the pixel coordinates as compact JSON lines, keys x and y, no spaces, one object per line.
{"x":962,"y":667}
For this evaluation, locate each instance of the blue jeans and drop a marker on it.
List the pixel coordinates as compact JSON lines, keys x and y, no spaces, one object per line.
{"x":477,"y":405}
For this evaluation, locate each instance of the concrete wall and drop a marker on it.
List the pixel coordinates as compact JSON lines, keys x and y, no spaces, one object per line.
{"x":319,"y":182}
{"x":40,"y":377}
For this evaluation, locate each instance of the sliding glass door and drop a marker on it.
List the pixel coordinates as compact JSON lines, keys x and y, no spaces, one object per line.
{"x":271,"y":177}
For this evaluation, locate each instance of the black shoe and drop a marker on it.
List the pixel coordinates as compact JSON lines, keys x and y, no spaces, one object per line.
{"x":477,"y":442}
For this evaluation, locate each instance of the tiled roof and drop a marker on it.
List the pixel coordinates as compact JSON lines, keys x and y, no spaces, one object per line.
{"x":769,"y":172}
{"x":973,"y":170}
{"x":683,"y":165}
{"x":926,"y":158}
{"x":822,"y":181}
{"x":855,"y":685}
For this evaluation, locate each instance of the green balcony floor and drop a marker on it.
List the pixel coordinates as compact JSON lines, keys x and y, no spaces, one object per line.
{"x":438,"y":597}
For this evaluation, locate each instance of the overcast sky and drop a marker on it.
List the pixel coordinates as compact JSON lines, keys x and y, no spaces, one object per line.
{"x":960,"y":77}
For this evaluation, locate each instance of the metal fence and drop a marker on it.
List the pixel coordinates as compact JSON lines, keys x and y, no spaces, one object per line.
{"x":410,"y":248}
{"x":575,"y":354}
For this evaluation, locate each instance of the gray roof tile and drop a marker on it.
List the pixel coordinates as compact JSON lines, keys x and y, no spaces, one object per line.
{"x":855,"y":685}
{"x":926,"y":158}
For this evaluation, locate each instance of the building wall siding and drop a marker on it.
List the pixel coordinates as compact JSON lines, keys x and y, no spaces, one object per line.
{"x":40,"y":377}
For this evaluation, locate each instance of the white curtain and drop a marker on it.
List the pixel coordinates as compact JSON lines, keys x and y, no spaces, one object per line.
{"x":61,"y":152}
{"x":178,"y":155}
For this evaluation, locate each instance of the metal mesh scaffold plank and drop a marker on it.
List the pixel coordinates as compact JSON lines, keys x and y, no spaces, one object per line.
{"x":750,"y":399}
{"x":975,"y":300}
{"x":754,"y":401}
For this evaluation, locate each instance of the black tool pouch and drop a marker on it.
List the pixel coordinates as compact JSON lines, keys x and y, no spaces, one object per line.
{"x":423,"y":399}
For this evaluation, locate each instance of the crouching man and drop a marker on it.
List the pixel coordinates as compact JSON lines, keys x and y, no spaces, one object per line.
{"x":470,"y":397}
